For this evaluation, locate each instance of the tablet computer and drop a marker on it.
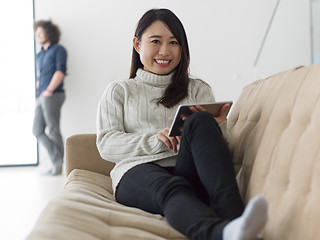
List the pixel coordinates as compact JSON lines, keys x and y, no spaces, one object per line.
{"x":183,"y":110}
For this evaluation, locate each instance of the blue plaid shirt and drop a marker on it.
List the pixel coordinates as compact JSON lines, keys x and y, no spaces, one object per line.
{"x":47,"y":63}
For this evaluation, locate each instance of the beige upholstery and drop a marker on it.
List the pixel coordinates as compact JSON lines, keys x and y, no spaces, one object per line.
{"x":82,"y":153}
{"x":87,"y":210}
{"x":274,"y":137}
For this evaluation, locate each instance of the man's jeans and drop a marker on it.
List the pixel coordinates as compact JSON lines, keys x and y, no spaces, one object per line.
{"x":47,"y":115}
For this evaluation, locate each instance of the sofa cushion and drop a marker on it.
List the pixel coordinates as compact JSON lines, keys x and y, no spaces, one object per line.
{"x":274,"y":132}
{"x":86,"y":210}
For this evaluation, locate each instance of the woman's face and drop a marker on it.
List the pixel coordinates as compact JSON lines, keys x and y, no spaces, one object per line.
{"x":159,"y":50}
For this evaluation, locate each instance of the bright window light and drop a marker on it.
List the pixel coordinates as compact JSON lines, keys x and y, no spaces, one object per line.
{"x":17,"y":98}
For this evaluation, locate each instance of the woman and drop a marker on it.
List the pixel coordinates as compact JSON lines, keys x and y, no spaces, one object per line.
{"x":193,"y":187}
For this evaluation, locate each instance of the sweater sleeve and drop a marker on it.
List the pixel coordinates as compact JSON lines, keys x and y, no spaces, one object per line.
{"x":113,"y":142}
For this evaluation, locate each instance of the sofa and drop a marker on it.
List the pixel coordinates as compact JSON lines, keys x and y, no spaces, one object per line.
{"x":274,"y":130}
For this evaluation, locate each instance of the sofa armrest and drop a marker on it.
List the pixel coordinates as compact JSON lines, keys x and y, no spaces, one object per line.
{"x":82,"y":153}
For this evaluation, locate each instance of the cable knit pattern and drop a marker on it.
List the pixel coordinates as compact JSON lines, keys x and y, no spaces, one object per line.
{"x":129,"y":120}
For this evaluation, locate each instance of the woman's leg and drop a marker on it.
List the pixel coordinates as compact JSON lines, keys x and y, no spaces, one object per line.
{"x":154,"y":189}
{"x":204,"y":159}
{"x":250,"y":223}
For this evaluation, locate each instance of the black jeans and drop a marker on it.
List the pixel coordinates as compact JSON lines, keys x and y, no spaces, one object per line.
{"x":198,"y":196}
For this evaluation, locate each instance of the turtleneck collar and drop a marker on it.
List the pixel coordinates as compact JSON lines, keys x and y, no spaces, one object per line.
{"x":153,"y":79}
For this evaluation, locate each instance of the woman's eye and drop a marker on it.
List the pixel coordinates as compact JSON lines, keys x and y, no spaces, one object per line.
{"x":174,"y":42}
{"x":155,"y":41}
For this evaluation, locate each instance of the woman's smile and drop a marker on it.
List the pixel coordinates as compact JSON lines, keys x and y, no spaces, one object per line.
{"x":162,"y":62}
{"x":159,"y":50}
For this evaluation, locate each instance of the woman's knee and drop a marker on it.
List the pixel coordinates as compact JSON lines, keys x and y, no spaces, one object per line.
{"x":201,"y":116}
{"x":201,"y":119}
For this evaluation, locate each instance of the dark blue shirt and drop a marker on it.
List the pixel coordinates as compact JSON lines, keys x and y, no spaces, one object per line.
{"x":47,"y":63}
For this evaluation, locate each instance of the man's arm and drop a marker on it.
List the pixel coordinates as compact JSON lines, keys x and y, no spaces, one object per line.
{"x":54,"y":83}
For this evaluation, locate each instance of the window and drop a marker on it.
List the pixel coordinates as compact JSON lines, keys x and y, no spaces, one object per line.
{"x":17,"y":98}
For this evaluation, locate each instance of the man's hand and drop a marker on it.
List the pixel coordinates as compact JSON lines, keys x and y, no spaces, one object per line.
{"x":54,"y":83}
{"x":46,"y":93}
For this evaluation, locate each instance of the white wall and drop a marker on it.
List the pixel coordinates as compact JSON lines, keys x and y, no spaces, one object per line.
{"x":224,"y":38}
{"x":289,"y":41}
{"x":315,"y":5}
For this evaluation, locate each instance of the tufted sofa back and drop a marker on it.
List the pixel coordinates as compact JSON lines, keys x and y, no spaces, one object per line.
{"x":274,"y":130}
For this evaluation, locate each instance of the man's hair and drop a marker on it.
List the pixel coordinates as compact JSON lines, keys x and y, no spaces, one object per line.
{"x":52,"y":30}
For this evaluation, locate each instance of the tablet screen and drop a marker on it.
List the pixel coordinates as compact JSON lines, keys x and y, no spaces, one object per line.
{"x":183,"y":110}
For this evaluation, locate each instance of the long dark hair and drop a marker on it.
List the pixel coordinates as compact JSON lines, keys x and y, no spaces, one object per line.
{"x":178,"y":88}
{"x":52,"y":31}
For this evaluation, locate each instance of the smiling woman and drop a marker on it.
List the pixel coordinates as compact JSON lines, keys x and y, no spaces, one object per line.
{"x":18,"y":145}
{"x":159,"y":50}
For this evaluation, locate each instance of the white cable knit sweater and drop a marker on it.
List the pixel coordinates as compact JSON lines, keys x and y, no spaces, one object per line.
{"x":129,"y":120}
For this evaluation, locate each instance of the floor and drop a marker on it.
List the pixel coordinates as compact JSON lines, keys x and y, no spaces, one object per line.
{"x":25,"y":191}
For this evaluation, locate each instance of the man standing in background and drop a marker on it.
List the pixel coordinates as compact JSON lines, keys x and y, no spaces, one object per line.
{"x":50,"y":72}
